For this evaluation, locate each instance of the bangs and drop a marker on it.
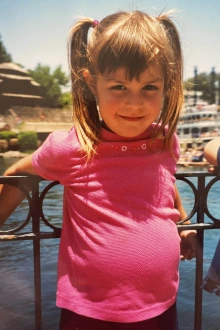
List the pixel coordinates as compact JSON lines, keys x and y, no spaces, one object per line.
{"x":132,"y":47}
{"x":133,"y":60}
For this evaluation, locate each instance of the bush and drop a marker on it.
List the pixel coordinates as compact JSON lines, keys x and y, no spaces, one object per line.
{"x":27,"y":140}
{"x":7,"y":135}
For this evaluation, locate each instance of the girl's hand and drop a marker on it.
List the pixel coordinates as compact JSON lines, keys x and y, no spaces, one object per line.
{"x":188,"y":244}
{"x":12,"y":170}
{"x":213,"y":169}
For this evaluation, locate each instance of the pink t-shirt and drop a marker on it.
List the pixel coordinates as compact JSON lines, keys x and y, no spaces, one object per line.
{"x":119,"y":250}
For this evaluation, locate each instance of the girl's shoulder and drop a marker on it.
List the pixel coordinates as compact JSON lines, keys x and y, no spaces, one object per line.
{"x":64,"y":139}
{"x":64,"y":135}
{"x":56,"y":158}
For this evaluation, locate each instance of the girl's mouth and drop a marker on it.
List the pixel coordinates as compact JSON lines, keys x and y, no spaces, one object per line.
{"x":131,"y":118}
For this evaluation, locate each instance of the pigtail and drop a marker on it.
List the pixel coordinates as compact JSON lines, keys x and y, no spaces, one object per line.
{"x":85,"y":113}
{"x":173,"y":98}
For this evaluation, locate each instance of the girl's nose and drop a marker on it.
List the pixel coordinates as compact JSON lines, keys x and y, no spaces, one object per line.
{"x":134,"y":100}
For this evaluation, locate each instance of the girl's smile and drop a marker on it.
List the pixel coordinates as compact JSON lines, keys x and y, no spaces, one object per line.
{"x":129,"y":107}
{"x":131,"y":118}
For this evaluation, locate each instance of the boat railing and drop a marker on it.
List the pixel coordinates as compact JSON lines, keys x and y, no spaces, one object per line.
{"x":197,"y":182}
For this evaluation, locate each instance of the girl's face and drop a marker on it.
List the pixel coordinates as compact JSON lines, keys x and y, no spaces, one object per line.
{"x":128,"y":108}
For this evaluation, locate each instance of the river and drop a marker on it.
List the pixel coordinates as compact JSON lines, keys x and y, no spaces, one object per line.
{"x":16,"y":271}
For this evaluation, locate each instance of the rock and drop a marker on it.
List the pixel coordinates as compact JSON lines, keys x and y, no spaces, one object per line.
{"x":13,"y":154}
{"x":3,"y":145}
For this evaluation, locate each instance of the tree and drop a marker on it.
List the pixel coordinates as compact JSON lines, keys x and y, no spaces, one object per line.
{"x":51,"y":83}
{"x":4,"y":56}
{"x":66,"y":99}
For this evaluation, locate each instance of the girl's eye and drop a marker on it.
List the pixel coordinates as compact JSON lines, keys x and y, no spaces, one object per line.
{"x":119,"y":87}
{"x":150,"y":88}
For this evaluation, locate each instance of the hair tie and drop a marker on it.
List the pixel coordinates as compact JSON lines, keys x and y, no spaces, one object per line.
{"x":95,"y":23}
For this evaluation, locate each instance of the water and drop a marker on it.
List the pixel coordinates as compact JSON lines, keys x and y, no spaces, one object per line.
{"x":16,"y":270}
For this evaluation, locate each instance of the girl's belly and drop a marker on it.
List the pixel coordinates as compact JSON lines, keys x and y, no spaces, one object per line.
{"x":143,"y":259}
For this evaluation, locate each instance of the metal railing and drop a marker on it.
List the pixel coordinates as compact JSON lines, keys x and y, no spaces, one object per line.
{"x":36,"y":217}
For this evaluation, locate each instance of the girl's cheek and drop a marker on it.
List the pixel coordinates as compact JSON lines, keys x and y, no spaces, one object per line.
{"x":114,"y":99}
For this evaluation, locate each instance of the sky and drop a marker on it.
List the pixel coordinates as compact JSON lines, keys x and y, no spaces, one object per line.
{"x":36,"y":31}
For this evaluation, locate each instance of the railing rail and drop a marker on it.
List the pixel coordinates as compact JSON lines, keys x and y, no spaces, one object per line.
{"x":36,"y":217}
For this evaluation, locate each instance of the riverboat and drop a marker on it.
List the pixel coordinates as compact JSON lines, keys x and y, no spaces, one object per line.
{"x":197,"y":125}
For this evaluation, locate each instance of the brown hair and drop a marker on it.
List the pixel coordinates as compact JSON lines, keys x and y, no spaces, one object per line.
{"x":133,"y":40}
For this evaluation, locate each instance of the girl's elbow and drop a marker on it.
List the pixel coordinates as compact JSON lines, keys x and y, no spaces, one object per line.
{"x":3,"y":218}
{"x":10,"y":198}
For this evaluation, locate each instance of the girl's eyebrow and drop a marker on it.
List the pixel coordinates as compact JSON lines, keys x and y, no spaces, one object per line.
{"x":118,"y":81}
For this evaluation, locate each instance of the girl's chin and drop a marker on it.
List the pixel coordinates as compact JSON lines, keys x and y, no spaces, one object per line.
{"x":126,"y":133}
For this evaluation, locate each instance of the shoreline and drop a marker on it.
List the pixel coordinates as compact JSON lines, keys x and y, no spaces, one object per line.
{"x":13,"y":154}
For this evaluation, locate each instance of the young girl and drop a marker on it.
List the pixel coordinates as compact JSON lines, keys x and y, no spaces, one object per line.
{"x":120,"y":248}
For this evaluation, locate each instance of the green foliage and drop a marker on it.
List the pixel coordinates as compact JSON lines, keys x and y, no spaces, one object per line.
{"x":51,"y":83}
{"x":7,"y":135}
{"x":66,"y":99}
{"x":60,"y":76}
{"x":4,"y":56}
{"x":27,"y":140}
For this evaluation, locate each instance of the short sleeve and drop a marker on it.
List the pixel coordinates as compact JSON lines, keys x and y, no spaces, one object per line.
{"x":55,"y":159}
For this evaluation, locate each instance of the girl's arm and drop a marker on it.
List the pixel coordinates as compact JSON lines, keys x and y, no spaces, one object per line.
{"x":179,"y":206}
{"x":211,"y":151}
{"x":10,"y":196}
{"x":188,"y":242}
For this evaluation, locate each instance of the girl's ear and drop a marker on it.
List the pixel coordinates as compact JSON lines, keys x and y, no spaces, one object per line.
{"x":90,"y":81}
